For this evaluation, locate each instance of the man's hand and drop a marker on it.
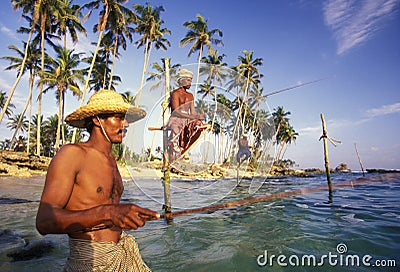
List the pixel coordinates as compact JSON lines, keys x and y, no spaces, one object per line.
{"x":130,"y":216}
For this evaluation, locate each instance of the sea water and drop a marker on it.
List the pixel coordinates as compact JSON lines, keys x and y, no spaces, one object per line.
{"x":358,"y":231}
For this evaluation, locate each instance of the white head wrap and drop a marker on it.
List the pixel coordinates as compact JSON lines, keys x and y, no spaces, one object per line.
{"x":184,"y":73}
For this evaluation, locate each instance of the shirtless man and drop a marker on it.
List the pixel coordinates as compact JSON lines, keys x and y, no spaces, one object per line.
{"x":182,"y":111}
{"x":243,"y":150}
{"x":83,"y":188}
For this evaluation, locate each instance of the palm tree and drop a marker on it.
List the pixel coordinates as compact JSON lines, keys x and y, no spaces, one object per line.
{"x":15,"y":124}
{"x":247,"y":69}
{"x":69,"y":22}
{"x":256,"y":98}
{"x":224,"y":113}
{"x":62,"y":76}
{"x":3,"y":98}
{"x":158,"y":74}
{"x":108,"y":5}
{"x":214,"y":69}
{"x":50,"y":127}
{"x":215,"y":72}
{"x":31,"y":57}
{"x":281,"y":122}
{"x":105,"y":52}
{"x":201,"y":106}
{"x":28,"y":7}
{"x":149,"y":27}
{"x":118,"y":31}
{"x":33,"y":125}
{"x":129,"y":98}
{"x":289,"y":138}
{"x":280,"y":117}
{"x":207,"y":89}
{"x":101,"y":72}
{"x":200,"y":36}
{"x":49,"y":13}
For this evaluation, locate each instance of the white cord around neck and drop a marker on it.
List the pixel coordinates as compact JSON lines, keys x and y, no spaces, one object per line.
{"x":102,"y":129}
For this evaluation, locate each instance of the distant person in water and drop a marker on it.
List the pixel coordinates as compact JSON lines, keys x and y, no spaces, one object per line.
{"x":243,"y":149}
{"x":184,"y":120}
{"x":83,"y":189}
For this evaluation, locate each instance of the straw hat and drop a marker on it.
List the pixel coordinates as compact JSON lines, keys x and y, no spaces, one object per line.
{"x":184,"y":73}
{"x":104,"y":102}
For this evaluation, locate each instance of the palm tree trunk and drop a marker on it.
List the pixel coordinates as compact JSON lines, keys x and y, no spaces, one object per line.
{"x":29,"y":124}
{"x":198,"y":72}
{"x":143,"y":73}
{"x":20,"y":119}
{"x":38,"y":143}
{"x":113,"y":61}
{"x":31,"y":81}
{"x":60,"y":103}
{"x":88,"y":79}
{"x":284,"y":151}
{"x":238,"y":118}
{"x":102,"y":28}
{"x":62,"y":119}
{"x":21,"y":72}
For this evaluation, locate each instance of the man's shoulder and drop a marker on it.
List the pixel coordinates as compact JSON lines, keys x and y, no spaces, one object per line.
{"x":178,"y":90}
{"x":76,"y":148}
{"x":69,"y":155}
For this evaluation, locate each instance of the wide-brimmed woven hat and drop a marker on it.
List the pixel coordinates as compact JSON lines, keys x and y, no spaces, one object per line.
{"x":184,"y":73}
{"x":104,"y":102}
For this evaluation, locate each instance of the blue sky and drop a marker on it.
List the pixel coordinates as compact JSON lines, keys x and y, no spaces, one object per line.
{"x":355,"y":44}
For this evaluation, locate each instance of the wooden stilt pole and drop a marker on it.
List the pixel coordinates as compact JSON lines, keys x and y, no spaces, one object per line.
{"x":166,"y":167}
{"x":359,"y":160}
{"x":327,"y":168}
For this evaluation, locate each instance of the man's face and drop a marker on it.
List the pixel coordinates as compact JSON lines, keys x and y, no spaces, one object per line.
{"x":115,"y":126}
{"x":186,"y":82}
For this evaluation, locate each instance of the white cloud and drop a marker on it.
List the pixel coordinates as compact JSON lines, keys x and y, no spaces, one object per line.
{"x":84,"y":44}
{"x":5,"y":86}
{"x":384,"y":110}
{"x":310,"y":130}
{"x":355,"y":21}
{"x":10,"y":33}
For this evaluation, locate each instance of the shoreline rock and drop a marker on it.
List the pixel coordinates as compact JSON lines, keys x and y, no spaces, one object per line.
{"x":21,"y":164}
{"x":24,"y":165}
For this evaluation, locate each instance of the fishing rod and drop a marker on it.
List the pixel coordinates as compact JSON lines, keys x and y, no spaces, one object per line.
{"x":294,"y":87}
{"x":342,"y":184}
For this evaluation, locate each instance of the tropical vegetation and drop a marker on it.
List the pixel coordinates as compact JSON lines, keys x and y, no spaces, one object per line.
{"x":54,"y":68}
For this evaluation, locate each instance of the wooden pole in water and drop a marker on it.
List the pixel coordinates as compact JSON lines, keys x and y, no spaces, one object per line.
{"x":327,"y":168}
{"x":166,"y":167}
{"x":359,"y":160}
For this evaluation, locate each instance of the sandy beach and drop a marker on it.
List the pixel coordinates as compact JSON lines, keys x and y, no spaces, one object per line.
{"x":20,"y":164}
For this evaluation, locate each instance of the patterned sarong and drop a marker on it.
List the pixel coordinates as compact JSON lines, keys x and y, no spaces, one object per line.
{"x":88,"y":255}
{"x":182,"y":131}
